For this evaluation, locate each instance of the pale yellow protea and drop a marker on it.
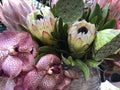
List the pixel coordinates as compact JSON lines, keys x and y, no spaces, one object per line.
{"x":80,"y":35}
{"x":41,"y":23}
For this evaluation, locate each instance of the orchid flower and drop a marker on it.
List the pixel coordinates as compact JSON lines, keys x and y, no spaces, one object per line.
{"x":48,"y":75}
{"x":16,"y":52}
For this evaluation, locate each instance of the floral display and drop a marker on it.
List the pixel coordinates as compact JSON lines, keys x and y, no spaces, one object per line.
{"x":46,"y":39}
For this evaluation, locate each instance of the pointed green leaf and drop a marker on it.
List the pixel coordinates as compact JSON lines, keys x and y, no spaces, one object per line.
{"x":110,"y":24}
{"x":94,"y":19}
{"x":84,"y":68}
{"x":48,"y":49}
{"x":105,"y":10}
{"x":65,"y":60}
{"x":100,"y":24}
{"x":69,"y":10}
{"x":95,"y":12}
{"x":72,"y":62}
{"x":93,"y":63}
{"x":54,"y":10}
{"x":105,"y":36}
{"x":106,"y":43}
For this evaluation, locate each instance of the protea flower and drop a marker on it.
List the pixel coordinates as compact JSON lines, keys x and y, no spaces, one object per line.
{"x":114,"y":6}
{"x":118,"y":24}
{"x":16,"y":52}
{"x":14,"y":13}
{"x":53,"y":2}
{"x":48,"y":75}
{"x":80,"y":36}
{"x":41,"y":24}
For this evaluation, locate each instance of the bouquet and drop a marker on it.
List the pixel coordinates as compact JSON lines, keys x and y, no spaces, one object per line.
{"x":44,"y":40}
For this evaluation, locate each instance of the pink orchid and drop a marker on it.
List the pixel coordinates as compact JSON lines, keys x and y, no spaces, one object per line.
{"x":48,"y":75}
{"x":14,"y":13}
{"x":16,"y":52}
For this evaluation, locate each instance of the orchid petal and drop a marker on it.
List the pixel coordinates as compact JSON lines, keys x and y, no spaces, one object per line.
{"x":12,"y":66}
{"x":32,"y":79}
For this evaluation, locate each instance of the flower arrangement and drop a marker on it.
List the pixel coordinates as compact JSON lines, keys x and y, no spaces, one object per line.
{"x":43,"y":42}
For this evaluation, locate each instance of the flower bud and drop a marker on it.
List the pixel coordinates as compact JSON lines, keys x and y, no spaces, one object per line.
{"x":80,"y":36}
{"x":41,"y":24}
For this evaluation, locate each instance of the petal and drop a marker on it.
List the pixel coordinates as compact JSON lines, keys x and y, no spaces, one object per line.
{"x":25,"y":46}
{"x":7,"y":39}
{"x":47,"y":61}
{"x":27,"y":61}
{"x":46,"y":38}
{"x":47,"y":83}
{"x":32,"y":79}
{"x":3,"y":81}
{"x":65,"y":85}
{"x":12,"y":66}
{"x":10,"y":84}
{"x":71,"y":74}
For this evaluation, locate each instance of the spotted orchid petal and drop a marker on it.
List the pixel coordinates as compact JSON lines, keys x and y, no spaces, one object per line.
{"x":7,"y":39}
{"x":32,"y":79}
{"x":48,"y":83}
{"x":27,"y":61}
{"x":10,"y":84}
{"x":12,"y":66}
{"x":47,"y":62}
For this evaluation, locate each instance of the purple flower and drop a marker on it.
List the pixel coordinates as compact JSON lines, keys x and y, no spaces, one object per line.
{"x":16,"y":52}
{"x":48,"y":75}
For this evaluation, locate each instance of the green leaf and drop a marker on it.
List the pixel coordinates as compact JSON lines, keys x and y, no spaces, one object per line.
{"x":105,"y":36}
{"x":110,"y":24}
{"x":93,"y":63}
{"x":65,"y":60}
{"x":72,"y":62}
{"x":69,"y":10}
{"x":105,"y":10}
{"x":87,"y":14}
{"x":54,"y":10}
{"x":84,"y":68}
{"x":100,"y":24}
{"x":95,"y":12}
{"x":94,"y":19}
{"x":68,"y":61}
{"x":106,"y":43}
{"x":48,"y":49}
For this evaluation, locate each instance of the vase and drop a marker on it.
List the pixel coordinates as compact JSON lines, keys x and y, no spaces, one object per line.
{"x":92,"y":84}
